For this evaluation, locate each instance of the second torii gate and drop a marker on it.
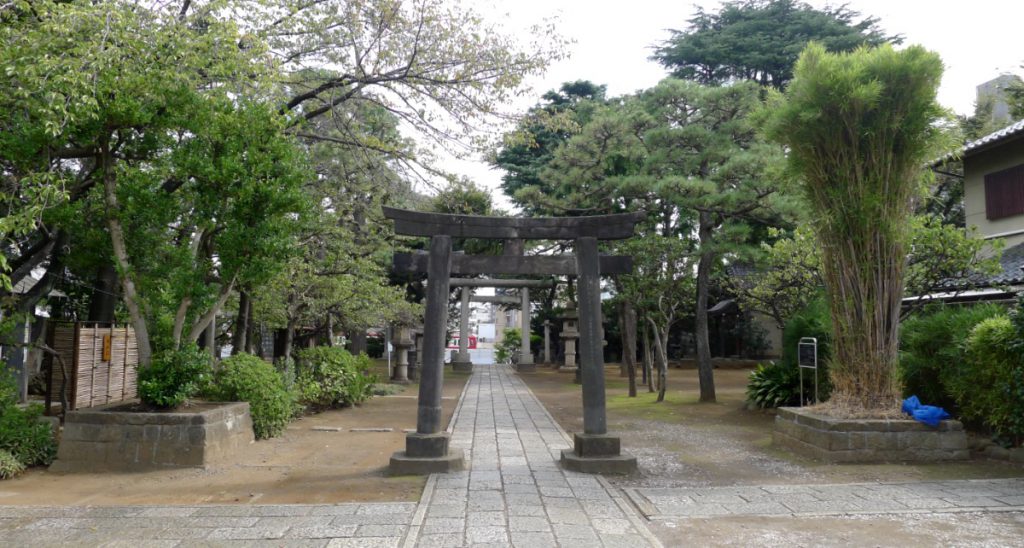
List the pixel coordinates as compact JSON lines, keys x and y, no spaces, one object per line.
{"x":594,"y":451}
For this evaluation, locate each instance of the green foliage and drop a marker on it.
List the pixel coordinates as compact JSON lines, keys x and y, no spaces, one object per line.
{"x":773,"y":385}
{"x":244,"y":377}
{"x":175,"y":376}
{"x":9,"y":465}
{"x":509,"y":347}
{"x":332,"y":377}
{"x":932,"y":350}
{"x":375,"y":347}
{"x":990,"y":385}
{"x":760,"y":40}
{"x":860,"y":189}
{"x":22,"y":434}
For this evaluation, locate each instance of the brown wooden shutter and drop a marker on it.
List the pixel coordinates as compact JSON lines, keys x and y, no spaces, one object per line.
{"x":1004,"y":193}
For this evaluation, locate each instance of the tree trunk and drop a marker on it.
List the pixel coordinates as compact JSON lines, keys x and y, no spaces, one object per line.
{"x":660,"y":348}
{"x":117,"y":240}
{"x":628,"y":326}
{"x":705,"y":372}
{"x":103,"y":301}
{"x":358,"y":342}
{"x":27,"y":302}
{"x":240,"y":333}
{"x":207,"y":319}
{"x":329,"y":330}
{"x":289,"y":338}
{"x":648,"y":362}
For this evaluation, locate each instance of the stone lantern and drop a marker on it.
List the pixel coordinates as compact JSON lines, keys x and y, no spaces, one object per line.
{"x":570,"y":334}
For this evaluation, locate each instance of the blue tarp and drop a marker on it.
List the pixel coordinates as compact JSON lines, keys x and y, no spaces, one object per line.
{"x":928,"y":414}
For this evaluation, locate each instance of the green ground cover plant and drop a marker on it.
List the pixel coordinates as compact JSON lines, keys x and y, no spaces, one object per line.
{"x":27,"y":440}
{"x":778,"y":384}
{"x":175,"y":376}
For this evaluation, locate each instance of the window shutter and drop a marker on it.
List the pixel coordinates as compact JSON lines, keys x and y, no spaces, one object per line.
{"x":1004,"y":193}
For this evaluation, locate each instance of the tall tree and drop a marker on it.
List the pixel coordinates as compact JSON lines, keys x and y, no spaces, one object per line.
{"x":860,"y":190}
{"x":760,"y":40}
{"x":527,"y":150}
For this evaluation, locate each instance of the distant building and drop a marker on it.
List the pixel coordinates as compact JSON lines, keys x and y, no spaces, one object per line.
{"x":994,"y":91}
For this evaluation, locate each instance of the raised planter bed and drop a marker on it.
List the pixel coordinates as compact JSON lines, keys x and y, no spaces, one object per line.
{"x":116,"y":437}
{"x":867,"y":440}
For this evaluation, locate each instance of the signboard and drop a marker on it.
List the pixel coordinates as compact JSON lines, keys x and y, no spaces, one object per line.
{"x":807,"y":358}
{"x":454,"y":342}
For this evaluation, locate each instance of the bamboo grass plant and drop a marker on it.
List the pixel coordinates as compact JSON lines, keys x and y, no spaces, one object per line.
{"x":859,"y":128}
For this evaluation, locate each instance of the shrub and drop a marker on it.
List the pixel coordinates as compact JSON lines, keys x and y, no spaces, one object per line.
{"x":9,"y":465}
{"x":510,"y":346}
{"x":332,"y":377}
{"x":22,"y":434}
{"x":990,"y":385}
{"x":174,"y":376}
{"x":773,"y":385}
{"x":244,"y":377}
{"x":932,"y":348}
{"x":375,"y":347}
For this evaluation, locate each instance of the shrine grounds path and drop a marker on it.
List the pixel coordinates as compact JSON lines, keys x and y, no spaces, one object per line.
{"x":514,"y":494}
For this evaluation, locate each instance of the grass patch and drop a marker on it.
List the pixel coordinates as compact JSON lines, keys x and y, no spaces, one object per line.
{"x":644,"y":405}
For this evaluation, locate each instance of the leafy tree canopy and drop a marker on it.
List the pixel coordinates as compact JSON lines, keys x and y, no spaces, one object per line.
{"x":760,"y":40}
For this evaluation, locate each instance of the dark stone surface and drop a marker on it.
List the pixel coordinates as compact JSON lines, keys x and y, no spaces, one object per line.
{"x":536,"y":265}
{"x":462,"y":367}
{"x":619,"y":464}
{"x":426,"y":445}
{"x":404,"y":465}
{"x":526,"y":367}
{"x":605,"y":227}
{"x":591,"y":356}
{"x":428,"y":415}
{"x":590,"y":445}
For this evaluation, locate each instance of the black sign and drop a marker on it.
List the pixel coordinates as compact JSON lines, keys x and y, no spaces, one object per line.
{"x":807,"y":355}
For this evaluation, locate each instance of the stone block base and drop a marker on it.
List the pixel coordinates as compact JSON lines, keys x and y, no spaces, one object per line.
{"x":867,"y":440}
{"x":404,"y":465}
{"x":597,"y":454}
{"x":526,"y":367}
{"x":106,"y":438}
{"x":617,"y":464}
{"x":462,"y":367}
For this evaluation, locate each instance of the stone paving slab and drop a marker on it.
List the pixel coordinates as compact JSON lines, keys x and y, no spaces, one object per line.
{"x":999,"y":495}
{"x":363,"y":525}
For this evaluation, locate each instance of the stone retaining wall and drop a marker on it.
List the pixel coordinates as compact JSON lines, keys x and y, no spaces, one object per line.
{"x":853,"y":440}
{"x":102,"y":439}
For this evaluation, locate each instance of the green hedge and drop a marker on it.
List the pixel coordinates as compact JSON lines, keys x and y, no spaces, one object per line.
{"x":27,"y":440}
{"x":332,"y":377}
{"x":990,"y":386}
{"x":244,"y":377}
{"x":932,"y":348}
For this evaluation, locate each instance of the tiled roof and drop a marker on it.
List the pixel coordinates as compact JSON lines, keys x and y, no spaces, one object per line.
{"x":1013,"y":266}
{"x":1016,"y":128}
{"x":994,"y":137}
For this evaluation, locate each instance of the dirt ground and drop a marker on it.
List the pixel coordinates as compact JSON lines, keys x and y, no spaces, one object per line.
{"x":683,"y":443}
{"x":318,"y":460}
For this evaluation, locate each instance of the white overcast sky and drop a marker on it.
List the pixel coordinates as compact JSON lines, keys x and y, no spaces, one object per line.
{"x":977,"y":40}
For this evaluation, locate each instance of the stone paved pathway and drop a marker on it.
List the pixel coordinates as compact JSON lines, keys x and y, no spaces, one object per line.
{"x":1006,"y":495}
{"x":514,"y":491}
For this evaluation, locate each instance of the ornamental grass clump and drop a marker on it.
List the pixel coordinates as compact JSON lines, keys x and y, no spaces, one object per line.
{"x":859,"y":128}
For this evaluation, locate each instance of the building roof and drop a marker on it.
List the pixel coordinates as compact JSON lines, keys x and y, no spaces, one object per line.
{"x":1012,"y":262}
{"x":994,"y":138}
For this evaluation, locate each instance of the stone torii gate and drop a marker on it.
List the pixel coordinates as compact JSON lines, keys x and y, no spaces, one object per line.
{"x":594,"y":451}
{"x":525,"y":358}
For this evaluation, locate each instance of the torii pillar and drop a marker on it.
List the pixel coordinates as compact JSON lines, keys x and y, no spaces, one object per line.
{"x":462,"y":361}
